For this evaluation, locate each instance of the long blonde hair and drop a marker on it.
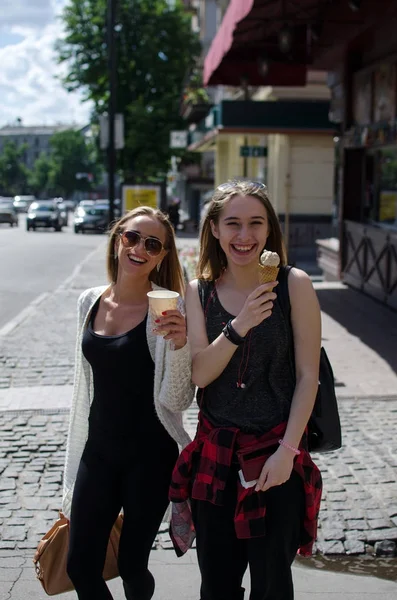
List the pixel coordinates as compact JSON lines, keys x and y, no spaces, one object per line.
{"x":169,"y":275}
{"x":212,"y":259}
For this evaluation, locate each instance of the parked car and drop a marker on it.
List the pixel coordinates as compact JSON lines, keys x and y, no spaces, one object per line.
{"x":91,"y":218}
{"x":116,"y":206}
{"x":22,"y":203}
{"x":44,"y":213}
{"x":8,"y":213}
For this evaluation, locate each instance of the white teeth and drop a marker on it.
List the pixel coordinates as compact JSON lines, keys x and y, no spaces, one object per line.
{"x":136,"y":259}
{"x":243,"y":248}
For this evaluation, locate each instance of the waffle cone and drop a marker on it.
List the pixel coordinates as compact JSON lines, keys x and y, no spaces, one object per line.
{"x":267,"y":274}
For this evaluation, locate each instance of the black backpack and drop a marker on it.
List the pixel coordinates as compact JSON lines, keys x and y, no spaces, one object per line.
{"x":324,"y":430}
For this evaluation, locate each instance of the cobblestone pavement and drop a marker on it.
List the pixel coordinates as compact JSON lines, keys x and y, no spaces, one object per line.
{"x":360,"y":491}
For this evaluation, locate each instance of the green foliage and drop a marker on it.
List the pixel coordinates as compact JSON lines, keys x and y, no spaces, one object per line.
{"x":13,"y":173}
{"x":71,"y":154}
{"x":55,"y":174}
{"x":155,"y":50}
{"x":38,"y":179}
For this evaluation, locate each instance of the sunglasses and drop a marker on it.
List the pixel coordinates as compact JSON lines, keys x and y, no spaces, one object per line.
{"x":231,"y":185}
{"x":152,"y":245}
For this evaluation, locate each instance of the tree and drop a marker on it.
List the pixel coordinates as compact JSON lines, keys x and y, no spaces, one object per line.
{"x":13,"y":173}
{"x":38,"y":178}
{"x":71,"y":154}
{"x":156,"y":48}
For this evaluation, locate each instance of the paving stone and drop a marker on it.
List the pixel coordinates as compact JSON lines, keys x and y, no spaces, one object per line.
{"x":385,"y":548}
{"x":352,"y":535}
{"x":331,"y":547}
{"x":354,"y":547}
{"x":13,"y":533}
{"x":333,"y":534}
{"x":378,"y":535}
{"x":358,"y":524}
{"x":378,"y":523}
{"x":7,"y":483}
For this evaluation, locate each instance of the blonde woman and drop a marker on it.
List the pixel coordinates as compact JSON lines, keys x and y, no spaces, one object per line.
{"x":125,"y":423}
{"x":253,"y":487}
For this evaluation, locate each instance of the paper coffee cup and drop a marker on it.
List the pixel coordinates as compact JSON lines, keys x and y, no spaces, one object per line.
{"x":159,"y":302}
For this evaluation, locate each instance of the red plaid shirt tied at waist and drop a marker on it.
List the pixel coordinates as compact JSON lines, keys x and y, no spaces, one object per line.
{"x":213,"y":451}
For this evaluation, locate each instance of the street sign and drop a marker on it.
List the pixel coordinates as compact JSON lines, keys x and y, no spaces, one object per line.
{"x":253,"y":151}
{"x":178,"y":139}
{"x":140,"y":195}
{"x":118,"y":131}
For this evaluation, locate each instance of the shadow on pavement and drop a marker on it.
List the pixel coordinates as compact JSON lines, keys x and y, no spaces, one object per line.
{"x":370,"y":321}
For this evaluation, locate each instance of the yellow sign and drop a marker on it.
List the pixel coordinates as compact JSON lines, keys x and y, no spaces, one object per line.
{"x":140,"y":195}
{"x":388,"y":206}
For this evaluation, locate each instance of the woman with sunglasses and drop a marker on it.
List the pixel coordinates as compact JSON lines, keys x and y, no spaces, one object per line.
{"x":253,"y":488}
{"x":130,"y":389}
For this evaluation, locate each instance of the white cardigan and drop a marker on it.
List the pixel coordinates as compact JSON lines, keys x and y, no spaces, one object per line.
{"x":173,"y":390}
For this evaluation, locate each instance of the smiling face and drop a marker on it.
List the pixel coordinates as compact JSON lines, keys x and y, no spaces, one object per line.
{"x":135,"y":261}
{"x":242,"y":229}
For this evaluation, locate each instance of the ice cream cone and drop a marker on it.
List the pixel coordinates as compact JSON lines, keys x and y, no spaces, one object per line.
{"x":267,"y":274}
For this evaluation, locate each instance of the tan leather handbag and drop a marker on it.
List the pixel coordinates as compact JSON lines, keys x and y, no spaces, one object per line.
{"x":51,"y":555}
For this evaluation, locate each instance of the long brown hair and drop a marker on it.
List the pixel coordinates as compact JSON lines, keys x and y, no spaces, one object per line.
{"x":169,"y":275}
{"x":212,"y":259}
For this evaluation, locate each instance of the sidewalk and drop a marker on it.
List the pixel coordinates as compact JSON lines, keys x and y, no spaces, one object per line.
{"x":178,"y":579}
{"x":360,"y":490}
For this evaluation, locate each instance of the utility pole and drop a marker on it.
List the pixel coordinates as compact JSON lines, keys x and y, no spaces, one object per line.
{"x":112,"y":72}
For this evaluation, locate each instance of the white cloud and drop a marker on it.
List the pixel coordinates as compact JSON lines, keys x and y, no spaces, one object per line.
{"x":29,"y":88}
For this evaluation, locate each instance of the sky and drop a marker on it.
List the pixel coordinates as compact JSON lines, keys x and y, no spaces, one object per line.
{"x":29,"y":88}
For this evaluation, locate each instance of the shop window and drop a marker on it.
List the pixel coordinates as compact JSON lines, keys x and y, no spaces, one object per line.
{"x":381,"y":200}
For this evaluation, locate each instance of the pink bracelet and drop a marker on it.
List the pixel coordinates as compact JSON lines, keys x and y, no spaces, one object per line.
{"x":287,"y":445}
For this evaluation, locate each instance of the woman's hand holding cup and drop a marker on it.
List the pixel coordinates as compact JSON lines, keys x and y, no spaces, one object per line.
{"x":175,"y":324}
{"x":167,"y":319}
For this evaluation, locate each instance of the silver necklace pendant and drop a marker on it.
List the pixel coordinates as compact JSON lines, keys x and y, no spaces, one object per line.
{"x":240,"y":385}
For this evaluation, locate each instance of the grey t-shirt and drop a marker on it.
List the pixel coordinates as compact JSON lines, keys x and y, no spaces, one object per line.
{"x":261,"y":364}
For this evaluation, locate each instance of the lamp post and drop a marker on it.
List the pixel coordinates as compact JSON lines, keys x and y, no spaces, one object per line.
{"x":112,"y":72}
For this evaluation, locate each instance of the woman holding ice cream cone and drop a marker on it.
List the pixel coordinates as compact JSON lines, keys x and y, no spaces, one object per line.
{"x":131,"y":386}
{"x":253,"y":488}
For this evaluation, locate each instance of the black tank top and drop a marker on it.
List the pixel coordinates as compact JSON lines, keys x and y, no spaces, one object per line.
{"x":123,"y":374}
{"x":261,"y":364}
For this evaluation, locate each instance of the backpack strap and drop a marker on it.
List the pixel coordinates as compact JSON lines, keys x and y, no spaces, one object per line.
{"x":282,"y":291}
{"x":285,"y":304}
{"x":206,"y":291}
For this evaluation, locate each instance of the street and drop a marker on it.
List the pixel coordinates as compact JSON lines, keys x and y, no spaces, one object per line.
{"x":36,"y":262}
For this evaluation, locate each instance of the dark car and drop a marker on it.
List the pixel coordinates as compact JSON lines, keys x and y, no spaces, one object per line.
{"x":44,"y":214}
{"x":8,"y":213}
{"x":91,"y":218}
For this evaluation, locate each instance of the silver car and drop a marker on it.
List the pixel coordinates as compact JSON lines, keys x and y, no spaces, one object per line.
{"x":8,"y":213}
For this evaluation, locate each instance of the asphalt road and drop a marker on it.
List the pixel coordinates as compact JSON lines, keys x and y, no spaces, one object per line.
{"x":35,"y":262}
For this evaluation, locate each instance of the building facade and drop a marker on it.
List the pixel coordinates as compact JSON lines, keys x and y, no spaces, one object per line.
{"x":275,"y":130}
{"x":36,"y":138}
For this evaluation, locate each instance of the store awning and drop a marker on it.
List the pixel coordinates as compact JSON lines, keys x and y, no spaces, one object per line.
{"x":222,"y":43}
{"x":241,"y":43}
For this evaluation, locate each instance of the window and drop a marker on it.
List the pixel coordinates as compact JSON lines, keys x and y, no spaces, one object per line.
{"x":381,"y":199}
